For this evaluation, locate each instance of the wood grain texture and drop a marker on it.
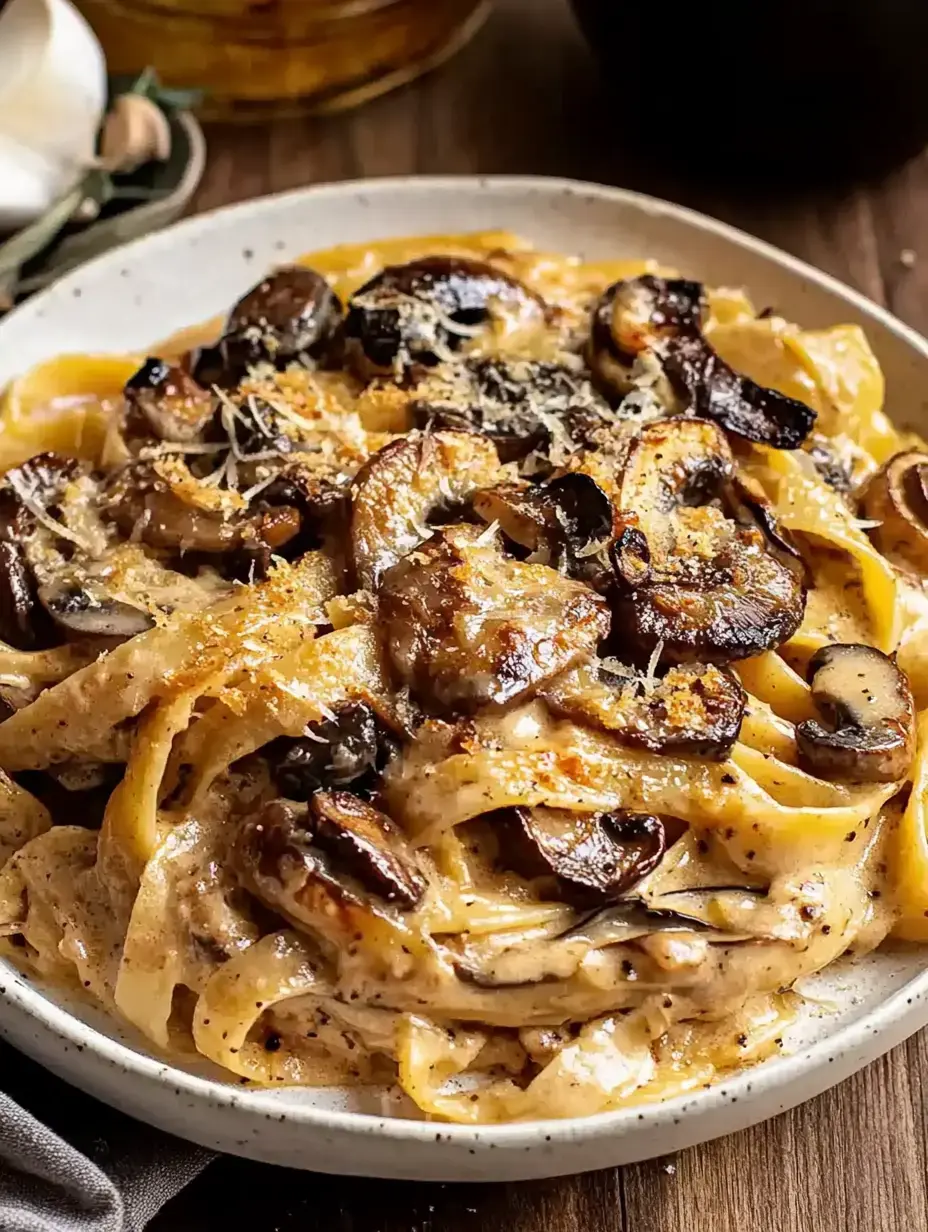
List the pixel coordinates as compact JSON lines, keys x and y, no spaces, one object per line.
{"x":525,"y":97}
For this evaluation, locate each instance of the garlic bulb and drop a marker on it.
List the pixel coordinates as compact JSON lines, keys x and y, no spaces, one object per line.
{"x":52,"y":96}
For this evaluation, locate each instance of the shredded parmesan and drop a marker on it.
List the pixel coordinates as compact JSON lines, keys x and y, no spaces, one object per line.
{"x":593,"y":547}
{"x":311,"y":735}
{"x":656,"y":653}
{"x":487,"y":536}
{"x":27,"y":496}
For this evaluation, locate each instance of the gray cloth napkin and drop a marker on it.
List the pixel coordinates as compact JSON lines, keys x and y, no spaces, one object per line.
{"x":71,"y":1164}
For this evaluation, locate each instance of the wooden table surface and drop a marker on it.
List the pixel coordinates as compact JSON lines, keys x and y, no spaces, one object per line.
{"x":524,"y":97}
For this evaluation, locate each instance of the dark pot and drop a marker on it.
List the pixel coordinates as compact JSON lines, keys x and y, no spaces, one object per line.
{"x":742,"y":89}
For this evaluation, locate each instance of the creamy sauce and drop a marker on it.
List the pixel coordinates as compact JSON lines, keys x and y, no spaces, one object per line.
{"x":596,"y":1012}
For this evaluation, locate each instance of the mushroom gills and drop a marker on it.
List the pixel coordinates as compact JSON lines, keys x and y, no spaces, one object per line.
{"x":23,"y":623}
{"x":84,"y":611}
{"x":868,"y":734}
{"x":582,"y":858}
{"x":896,"y":497}
{"x":423,"y":311}
{"x":664,"y":318}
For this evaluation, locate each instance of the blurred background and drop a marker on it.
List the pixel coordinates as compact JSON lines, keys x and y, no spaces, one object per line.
{"x":802,"y":121}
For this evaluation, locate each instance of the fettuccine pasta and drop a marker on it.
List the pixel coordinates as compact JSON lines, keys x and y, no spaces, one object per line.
{"x":467,"y":669}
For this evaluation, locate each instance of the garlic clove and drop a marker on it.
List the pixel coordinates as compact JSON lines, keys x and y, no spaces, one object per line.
{"x":52,"y":80}
{"x":135,"y":131}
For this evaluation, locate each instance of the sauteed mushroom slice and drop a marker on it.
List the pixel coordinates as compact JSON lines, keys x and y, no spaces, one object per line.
{"x":166,"y":402}
{"x":696,"y":709}
{"x":289,"y":317}
{"x":897,"y":498}
{"x":26,"y":490}
{"x":625,"y":921}
{"x":408,"y":482}
{"x":564,"y":523}
{"x":740,"y":604}
{"x":87,"y":611}
{"x":673,"y":463}
{"x":166,"y":508}
{"x":710,"y":581}
{"x":586,"y":859}
{"x":367,"y":845}
{"x":315,"y":863}
{"x":17,"y":600}
{"x":520,"y":404}
{"x":322,"y":504}
{"x":467,"y":626}
{"x":868,"y":733}
{"x":422,"y":311}
{"x":352,"y":748}
{"x":33,"y":487}
{"x":663,"y":318}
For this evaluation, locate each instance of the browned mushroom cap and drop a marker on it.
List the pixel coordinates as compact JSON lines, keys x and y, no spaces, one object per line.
{"x":709,"y":582}
{"x":897,"y":498}
{"x":586,"y":858}
{"x":467,"y":626}
{"x":694,"y":709}
{"x":522,"y":405}
{"x":869,"y":717}
{"x":663,"y":317}
{"x":289,"y":317}
{"x":166,"y":402}
{"x":367,"y":845}
{"x":150,"y":506}
{"x":409,"y":481}
{"x":327,"y":868}
{"x":422,"y":311}
{"x":564,"y":523}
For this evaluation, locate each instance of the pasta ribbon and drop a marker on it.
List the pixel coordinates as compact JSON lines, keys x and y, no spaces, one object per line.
{"x":277,"y":968}
{"x":282,"y":697}
{"x":910,"y":849}
{"x":806,"y":505}
{"x":572,"y":768}
{"x":174,"y":940}
{"x":76,"y":718}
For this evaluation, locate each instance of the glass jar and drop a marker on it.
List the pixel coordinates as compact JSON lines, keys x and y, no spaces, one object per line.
{"x":257,"y":58}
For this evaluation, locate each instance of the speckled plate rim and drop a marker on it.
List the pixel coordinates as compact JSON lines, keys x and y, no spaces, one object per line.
{"x":761,"y":1091}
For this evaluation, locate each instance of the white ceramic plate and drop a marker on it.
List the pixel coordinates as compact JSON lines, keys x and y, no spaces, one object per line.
{"x":143,"y":292}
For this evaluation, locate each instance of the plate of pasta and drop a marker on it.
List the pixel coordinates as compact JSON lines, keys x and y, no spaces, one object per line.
{"x":464,"y":678}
